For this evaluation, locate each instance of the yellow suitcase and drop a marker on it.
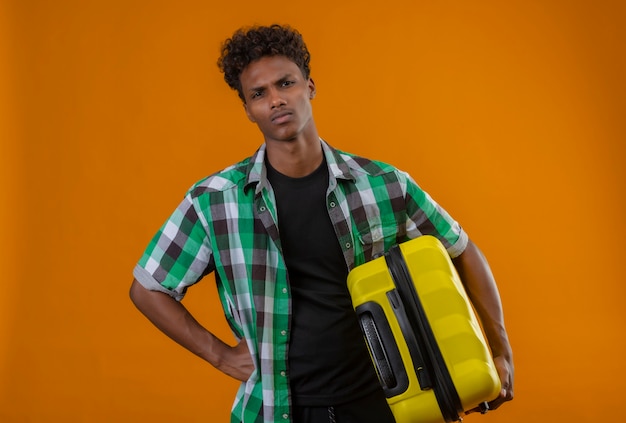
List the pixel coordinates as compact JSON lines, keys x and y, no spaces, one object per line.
{"x":424,"y":338}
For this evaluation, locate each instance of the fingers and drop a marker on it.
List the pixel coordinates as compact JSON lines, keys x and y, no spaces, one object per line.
{"x":244,"y":365}
{"x":493,"y":405}
{"x":505,"y":395}
{"x":505,"y":372}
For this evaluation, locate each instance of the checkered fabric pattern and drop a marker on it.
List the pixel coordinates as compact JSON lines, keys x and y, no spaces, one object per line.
{"x":227,"y":224}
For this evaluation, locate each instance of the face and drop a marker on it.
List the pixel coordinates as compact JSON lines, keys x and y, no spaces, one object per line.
{"x":278,"y":99}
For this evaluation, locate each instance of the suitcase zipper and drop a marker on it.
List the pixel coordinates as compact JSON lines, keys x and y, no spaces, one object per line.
{"x":415,"y":347}
{"x":443,"y":386}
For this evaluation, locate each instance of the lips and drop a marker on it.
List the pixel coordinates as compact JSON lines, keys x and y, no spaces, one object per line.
{"x":280,"y":117}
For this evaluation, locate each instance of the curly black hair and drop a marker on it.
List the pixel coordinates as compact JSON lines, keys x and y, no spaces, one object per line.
{"x":250,"y":44}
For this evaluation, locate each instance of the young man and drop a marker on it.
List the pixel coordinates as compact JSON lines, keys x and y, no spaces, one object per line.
{"x":281,"y":230}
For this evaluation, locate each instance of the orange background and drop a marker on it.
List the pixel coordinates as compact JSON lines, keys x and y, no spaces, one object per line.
{"x":511,"y":114}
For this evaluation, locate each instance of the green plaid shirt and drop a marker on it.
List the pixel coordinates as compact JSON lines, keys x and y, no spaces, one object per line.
{"x":227,"y":223}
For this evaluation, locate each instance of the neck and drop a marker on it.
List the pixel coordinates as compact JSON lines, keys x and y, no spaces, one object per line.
{"x":296,"y":158}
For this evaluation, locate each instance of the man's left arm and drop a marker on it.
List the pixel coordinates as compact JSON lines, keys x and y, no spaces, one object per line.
{"x":483,"y":292}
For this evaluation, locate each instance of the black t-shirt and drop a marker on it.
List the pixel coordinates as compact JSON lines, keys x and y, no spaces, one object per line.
{"x":328,"y":360}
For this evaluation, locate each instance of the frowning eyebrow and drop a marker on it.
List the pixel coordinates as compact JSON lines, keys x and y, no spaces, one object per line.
{"x":278,"y":82}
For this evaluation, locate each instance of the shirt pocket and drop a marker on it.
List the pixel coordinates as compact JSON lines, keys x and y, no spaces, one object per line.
{"x":377,"y":237}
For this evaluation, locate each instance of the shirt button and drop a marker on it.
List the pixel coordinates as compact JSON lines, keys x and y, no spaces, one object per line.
{"x":283,"y":374}
{"x":285,"y":416}
{"x":348,"y":245}
{"x":332,"y":204}
{"x":284,"y":290}
{"x":262,"y":208}
{"x":283,"y":332}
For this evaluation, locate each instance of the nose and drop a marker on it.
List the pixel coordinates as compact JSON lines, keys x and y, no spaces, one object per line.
{"x":276,"y":99}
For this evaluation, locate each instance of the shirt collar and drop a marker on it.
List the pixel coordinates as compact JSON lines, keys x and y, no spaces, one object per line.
{"x":257,"y":172}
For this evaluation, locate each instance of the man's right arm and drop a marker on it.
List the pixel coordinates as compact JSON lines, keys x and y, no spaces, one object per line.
{"x":174,"y":320}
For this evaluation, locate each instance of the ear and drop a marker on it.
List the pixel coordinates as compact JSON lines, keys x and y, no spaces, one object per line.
{"x":312,"y":89}
{"x":250,"y":117}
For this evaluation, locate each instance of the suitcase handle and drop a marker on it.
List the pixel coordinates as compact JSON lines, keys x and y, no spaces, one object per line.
{"x":383,"y":349}
{"x":381,"y":361}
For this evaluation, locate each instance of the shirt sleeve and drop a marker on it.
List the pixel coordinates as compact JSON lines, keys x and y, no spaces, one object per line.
{"x":178,"y":256}
{"x":426,"y":217}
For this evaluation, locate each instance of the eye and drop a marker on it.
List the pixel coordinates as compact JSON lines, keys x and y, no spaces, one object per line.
{"x":256,"y":94}
{"x":287,"y":83}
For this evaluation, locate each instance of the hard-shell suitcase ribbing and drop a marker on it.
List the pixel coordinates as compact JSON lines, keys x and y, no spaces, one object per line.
{"x":424,"y":338}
